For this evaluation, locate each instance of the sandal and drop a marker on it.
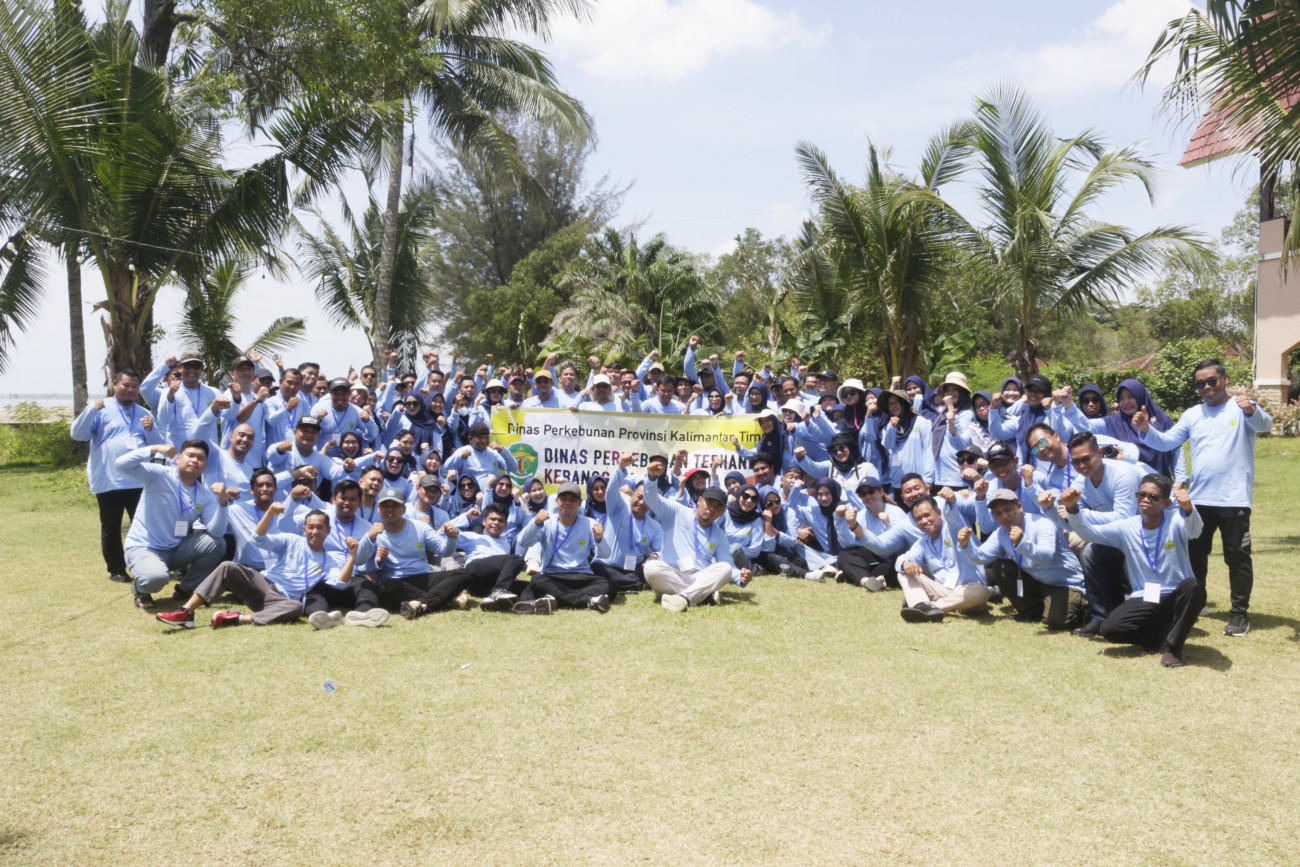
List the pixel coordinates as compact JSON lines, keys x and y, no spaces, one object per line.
{"x":144,"y":601}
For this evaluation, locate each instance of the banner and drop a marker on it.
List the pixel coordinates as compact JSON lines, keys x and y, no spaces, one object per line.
{"x":559,"y":445}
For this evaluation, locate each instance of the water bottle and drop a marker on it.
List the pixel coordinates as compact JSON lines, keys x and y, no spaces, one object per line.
{"x":785,"y":570}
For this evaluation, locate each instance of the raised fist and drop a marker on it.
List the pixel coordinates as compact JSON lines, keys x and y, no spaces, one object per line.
{"x":841,"y":510}
{"x":963,"y":536}
{"x":99,"y":403}
{"x":147,"y":422}
{"x":598,"y":530}
{"x":1070,"y":499}
{"x":800,"y":453}
{"x":543,"y":516}
{"x":236,"y":390}
{"x":1027,"y":474}
{"x":276,"y":509}
{"x":219,"y":403}
{"x":1141,"y":420}
{"x":1016,"y":534}
{"x":947,"y":495}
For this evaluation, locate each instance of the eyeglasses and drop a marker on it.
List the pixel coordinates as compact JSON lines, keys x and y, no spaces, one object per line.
{"x":1147,"y":495}
{"x":750,"y":497}
{"x":1090,"y":398}
{"x":967,"y":459}
{"x":1208,"y":382}
{"x":1039,"y":446}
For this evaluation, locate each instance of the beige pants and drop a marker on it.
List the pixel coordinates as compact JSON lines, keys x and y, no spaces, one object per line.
{"x":923,"y":588}
{"x":696,"y":584}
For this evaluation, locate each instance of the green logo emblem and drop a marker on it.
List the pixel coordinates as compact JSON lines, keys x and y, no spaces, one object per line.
{"x":526,"y":455}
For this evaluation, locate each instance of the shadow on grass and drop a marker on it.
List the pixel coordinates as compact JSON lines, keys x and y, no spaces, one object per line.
{"x":1258,"y":621}
{"x":1199,"y":656}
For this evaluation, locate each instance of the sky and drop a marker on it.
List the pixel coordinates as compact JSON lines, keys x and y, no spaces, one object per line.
{"x":699,"y":104}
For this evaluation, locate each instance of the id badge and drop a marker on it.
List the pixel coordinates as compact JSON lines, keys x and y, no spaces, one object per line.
{"x":181,"y":529}
{"x":950,"y":580}
{"x":1151,"y":592}
{"x":1020,"y":586}
{"x":629,"y":563}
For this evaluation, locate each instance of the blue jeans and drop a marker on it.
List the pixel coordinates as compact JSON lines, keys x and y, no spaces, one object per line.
{"x":198,"y":553}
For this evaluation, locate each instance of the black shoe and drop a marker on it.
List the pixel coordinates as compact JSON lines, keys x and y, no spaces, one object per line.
{"x":1032,"y":614}
{"x":599,"y":603}
{"x":995,"y":596}
{"x":181,"y":594}
{"x":1171,"y":660}
{"x":1091,"y":629}
{"x":411,"y":610}
{"x":120,"y":578}
{"x":923,"y":612}
{"x":545,"y":605}
{"x":1238,"y":625}
{"x":503,"y":600}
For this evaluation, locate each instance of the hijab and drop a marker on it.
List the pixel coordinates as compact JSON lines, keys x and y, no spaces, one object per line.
{"x":737,"y":475}
{"x":737,"y":512}
{"x":982,"y":422}
{"x":424,"y":424}
{"x":400,"y":474}
{"x":855,"y":415}
{"x":508,"y":500}
{"x":686,"y":483}
{"x":845,"y":439}
{"x":828,"y":512}
{"x":1120,"y":426}
{"x":715,"y":397}
{"x":778,"y":520}
{"x":593,"y":508}
{"x":1105,"y":409}
{"x":773,"y":444}
{"x":763,"y":392}
{"x":526,"y":501}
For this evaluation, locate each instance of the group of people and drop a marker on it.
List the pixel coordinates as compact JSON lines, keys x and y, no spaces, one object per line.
{"x":344,"y":500}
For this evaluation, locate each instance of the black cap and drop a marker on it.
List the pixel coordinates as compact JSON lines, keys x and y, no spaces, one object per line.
{"x":309,"y":421}
{"x":336,"y":384}
{"x":1040,"y":382}
{"x":972,"y":449}
{"x":713,"y":492}
{"x":477,"y":429}
{"x":263,"y":373}
{"x":243,"y":359}
{"x":829,"y":374}
{"x":1000,"y":452}
{"x":430,"y":480}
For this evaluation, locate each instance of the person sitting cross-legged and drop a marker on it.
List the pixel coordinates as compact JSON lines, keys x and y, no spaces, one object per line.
{"x":276,"y":595}
{"x":401,"y":579}
{"x":492,"y":568}
{"x":564,"y":543}
{"x":935,"y":580}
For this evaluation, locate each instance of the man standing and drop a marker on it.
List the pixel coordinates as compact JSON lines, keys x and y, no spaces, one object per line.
{"x":1222,"y":432}
{"x":114,"y":428}
{"x":696,"y":559}
{"x":164,"y":537}
{"x":247,"y":397}
{"x":1166,"y":597}
{"x":285,"y":407}
{"x":566,"y":542}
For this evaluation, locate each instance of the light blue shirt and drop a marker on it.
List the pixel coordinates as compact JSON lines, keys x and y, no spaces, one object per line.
{"x":408,"y":549}
{"x":1165,"y":546}
{"x":295,"y":567}
{"x":165,"y":502}
{"x":562,"y":549}
{"x":686,"y":544}
{"x":1223,"y":451}
{"x":1043,"y":552}
{"x":112,"y":432}
{"x":940,"y":556}
{"x":625,"y":535}
{"x":481,"y":464}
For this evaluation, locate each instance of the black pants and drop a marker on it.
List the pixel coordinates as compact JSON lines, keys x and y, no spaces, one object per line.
{"x":570,"y":589}
{"x":771,"y":561}
{"x":327,"y":597}
{"x":1105,"y":579}
{"x":490,"y":574}
{"x":858,"y":562}
{"x":434,"y":589}
{"x":1159,"y":625}
{"x":620,"y":581}
{"x":111,"y":506}
{"x":1233,"y":525}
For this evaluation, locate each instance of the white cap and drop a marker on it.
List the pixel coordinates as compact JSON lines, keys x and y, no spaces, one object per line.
{"x":600,"y":379}
{"x":495,"y":383}
{"x":794,"y":406}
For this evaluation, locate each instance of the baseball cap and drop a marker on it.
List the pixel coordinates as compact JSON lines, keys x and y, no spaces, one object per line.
{"x":600,"y":379}
{"x":190,"y":357}
{"x":391,"y":494}
{"x":713,"y":492}
{"x":972,"y":449}
{"x":263,"y":373}
{"x":242,"y":360}
{"x":430,"y":480}
{"x":656,"y":366}
{"x":1040,"y":382}
{"x":1000,"y":452}
{"x":869,"y":475}
{"x":542,"y":373}
{"x":342,"y":383}
{"x":309,"y":421}
{"x":495,"y":383}
{"x":1003,"y":495}
{"x":570,"y":488}
{"x":829,"y":374}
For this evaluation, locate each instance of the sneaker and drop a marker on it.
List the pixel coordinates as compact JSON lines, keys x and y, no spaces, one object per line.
{"x":923,"y":612}
{"x":1171,"y":660}
{"x":222,"y":619}
{"x":1091,"y":629}
{"x":500,"y":600}
{"x":119,"y":578}
{"x":461,"y":602}
{"x":372,"y":618}
{"x":873,"y":583}
{"x":181,"y":617}
{"x":1237,"y":626}
{"x":599,"y":603}
{"x":673,"y":602}
{"x":545,"y":605}
{"x":525,"y":606}
{"x":716,"y":598}
{"x":814,"y":575}
{"x":325,"y":619}
{"x":180,"y":594}
{"x":995,"y":596}
{"x":1205,"y":611}
{"x":411,"y":610}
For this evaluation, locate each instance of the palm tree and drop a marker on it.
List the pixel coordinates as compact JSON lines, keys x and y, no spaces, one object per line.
{"x":208,"y":322}
{"x":1047,"y":258}
{"x":1240,"y":60}
{"x":346,"y":269}
{"x":873,"y":258}
{"x":20,"y":286}
{"x":631,"y":298}
{"x":101,"y":152}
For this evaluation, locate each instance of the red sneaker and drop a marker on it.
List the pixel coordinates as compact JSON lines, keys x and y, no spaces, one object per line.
{"x":177,"y":617}
{"x":225,"y":618}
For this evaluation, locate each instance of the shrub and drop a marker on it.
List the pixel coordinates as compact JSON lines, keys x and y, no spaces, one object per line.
{"x":986,"y":372}
{"x":1286,"y":419}
{"x":39,"y":436}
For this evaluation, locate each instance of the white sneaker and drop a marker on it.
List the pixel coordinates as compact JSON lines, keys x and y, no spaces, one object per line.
{"x":717,"y":597}
{"x":325,"y":619}
{"x":1205,"y":611}
{"x":673,"y":602}
{"x":815,"y":575}
{"x":373,"y":617}
{"x":874,"y":583}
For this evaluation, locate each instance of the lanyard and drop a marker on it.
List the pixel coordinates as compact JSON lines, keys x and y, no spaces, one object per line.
{"x":180,"y":497}
{"x":369,"y":519}
{"x":558,"y":542}
{"x":195,"y":397}
{"x":129,"y":422}
{"x":695,"y":537}
{"x":338,"y":424}
{"x":338,"y":529}
{"x":938,"y":553}
{"x":1153,"y":556}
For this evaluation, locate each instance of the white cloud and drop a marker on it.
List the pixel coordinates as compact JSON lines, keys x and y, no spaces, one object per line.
{"x":659,"y":40}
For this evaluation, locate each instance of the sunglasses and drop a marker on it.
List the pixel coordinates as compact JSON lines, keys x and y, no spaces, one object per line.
{"x":467,"y":486}
{"x":414,"y":403}
{"x":967,"y":459}
{"x":393,"y":460}
{"x":870,"y":489}
{"x":1208,"y":382}
{"x":1090,"y":398}
{"x":750,"y":497}
{"x":1146,"y":495}
{"x":1039,"y":446}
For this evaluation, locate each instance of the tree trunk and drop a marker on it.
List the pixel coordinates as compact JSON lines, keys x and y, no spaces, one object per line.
{"x":77,"y":331}
{"x":128,"y":344}
{"x":156,"y":36}
{"x":380,"y":328}
{"x":1267,"y":188}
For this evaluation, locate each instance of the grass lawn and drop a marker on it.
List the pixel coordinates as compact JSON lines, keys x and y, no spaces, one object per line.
{"x":798,"y":723}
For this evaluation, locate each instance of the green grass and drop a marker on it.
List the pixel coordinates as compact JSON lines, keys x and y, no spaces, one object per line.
{"x":797,"y":723}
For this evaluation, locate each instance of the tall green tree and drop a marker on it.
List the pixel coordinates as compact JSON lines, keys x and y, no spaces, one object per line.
{"x":208,"y":322}
{"x":750,"y":282}
{"x":128,"y":161}
{"x":344,"y":264}
{"x":1043,"y":250}
{"x":630,"y":298}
